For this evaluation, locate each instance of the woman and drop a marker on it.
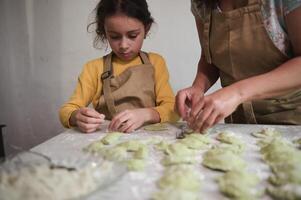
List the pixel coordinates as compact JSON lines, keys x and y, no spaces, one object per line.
{"x":254,"y":46}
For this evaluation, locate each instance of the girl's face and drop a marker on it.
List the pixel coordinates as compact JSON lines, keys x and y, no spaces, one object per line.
{"x":125,"y":35}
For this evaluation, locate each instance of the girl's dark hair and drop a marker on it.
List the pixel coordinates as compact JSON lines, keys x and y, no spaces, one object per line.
{"x":137,"y":9}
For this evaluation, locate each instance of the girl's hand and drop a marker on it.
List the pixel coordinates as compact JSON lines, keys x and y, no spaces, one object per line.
{"x":129,"y":120}
{"x":186,"y":99}
{"x":86,"y":119}
{"x":213,"y":108}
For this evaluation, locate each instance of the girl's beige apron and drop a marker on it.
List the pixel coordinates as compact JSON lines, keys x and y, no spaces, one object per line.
{"x":237,"y":43}
{"x":133,"y":88}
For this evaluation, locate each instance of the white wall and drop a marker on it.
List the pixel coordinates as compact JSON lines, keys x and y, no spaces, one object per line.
{"x":44,"y":44}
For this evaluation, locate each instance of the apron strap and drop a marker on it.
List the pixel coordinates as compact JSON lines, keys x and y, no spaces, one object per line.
{"x":249,"y":112}
{"x":252,"y":2}
{"x":207,"y":28}
{"x":144,"y":57}
{"x":106,"y":79}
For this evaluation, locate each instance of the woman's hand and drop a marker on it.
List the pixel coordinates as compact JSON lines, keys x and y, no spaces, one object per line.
{"x":129,"y":120}
{"x":186,"y":99}
{"x":213,"y":108}
{"x":86,"y":119}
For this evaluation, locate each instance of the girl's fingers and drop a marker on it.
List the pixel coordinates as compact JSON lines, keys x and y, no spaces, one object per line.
{"x":87,"y":127}
{"x":125,"y":126}
{"x":130,"y":128}
{"x":118,"y":120}
{"x":91,"y":113}
{"x":90,"y":120}
{"x":114,"y":121}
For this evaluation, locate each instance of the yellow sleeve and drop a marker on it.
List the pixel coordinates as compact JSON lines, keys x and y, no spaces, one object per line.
{"x":165,"y":99}
{"x":83,"y":94}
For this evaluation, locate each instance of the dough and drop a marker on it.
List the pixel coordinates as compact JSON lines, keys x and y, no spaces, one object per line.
{"x":285,"y":192}
{"x":219,"y":159}
{"x":131,"y":145}
{"x":142,"y":153}
{"x":175,"y":160}
{"x":111,"y":138}
{"x":278,"y":150}
{"x":153,"y":140}
{"x":196,"y":141}
{"x":172,"y":194}
{"x":239,"y":184}
{"x":180,"y":177}
{"x":282,"y":177}
{"x":136,"y":164}
{"x":162,"y":146}
{"x":179,"y":149}
{"x":95,"y":147}
{"x":267,"y":132}
{"x":116,"y":154}
{"x":229,"y":138}
{"x":156,"y":127}
{"x":236,"y":149}
{"x":40,"y":181}
{"x":298,"y":143}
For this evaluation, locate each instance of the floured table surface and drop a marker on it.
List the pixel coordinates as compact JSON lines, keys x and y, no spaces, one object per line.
{"x":68,"y":147}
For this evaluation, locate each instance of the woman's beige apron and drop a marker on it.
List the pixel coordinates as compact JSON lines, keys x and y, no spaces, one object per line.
{"x":133,"y":88}
{"x":237,"y":43}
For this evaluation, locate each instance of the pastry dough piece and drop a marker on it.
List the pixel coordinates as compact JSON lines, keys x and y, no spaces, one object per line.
{"x":182,"y":177}
{"x":277,"y":151}
{"x":29,"y":181}
{"x":153,"y":140}
{"x":179,"y":149}
{"x":239,"y":184}
{"x":95,"y":147}
{"x":162,"y":146}
{"x":290,"y":163}
{"x":219,"y":159}
{"x":196,"y":141}
{"x":136,"y":164}
{"x":289,"y":176}
{"x":298,"y":143}
{"x":111,"y":138}
{"x":175,"y":194}
{"x":287,"y":171}
{"x":176,"y":160}
{"x":116,"y":154}
{"x":236,"y":149}
{"x":229,"y":138}
{"x":267,"y":132}
{"x":156,"y":127}
{"x":141,"y":153}
{"x":131,"y":145}
{"x":285,"y":192}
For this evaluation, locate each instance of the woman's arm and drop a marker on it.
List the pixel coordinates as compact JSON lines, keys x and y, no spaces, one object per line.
{"x":207,"y":74}
{"x":281,"y":80}
{"x":284,"y":78}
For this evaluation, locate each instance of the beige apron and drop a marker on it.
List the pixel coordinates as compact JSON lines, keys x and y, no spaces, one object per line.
{"x":237,"y":43}
{"x":133,"y":88}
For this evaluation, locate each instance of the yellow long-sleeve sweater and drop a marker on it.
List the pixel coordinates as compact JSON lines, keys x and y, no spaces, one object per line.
{"x":89,"y":87}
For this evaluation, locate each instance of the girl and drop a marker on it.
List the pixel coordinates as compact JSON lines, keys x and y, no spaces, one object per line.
{"x":127,"y":86}
{"x":254,"y":46}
